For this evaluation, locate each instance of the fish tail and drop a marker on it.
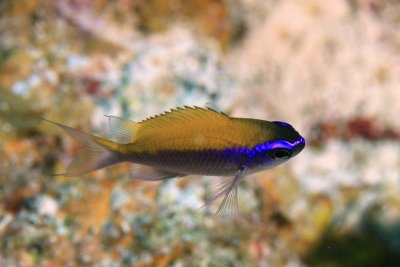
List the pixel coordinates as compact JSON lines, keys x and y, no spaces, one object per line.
{"x":94,"y":152}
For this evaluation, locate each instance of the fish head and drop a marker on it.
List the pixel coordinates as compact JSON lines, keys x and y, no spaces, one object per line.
{"x":283,"y":143}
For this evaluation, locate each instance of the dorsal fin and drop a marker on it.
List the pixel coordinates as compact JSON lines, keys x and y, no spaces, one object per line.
{"x":183,"y":114}
{"x":214,"y":107}
{"x":122,"y":129}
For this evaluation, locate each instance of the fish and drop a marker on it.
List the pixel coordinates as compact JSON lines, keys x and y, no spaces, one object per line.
{"x":190,"y":140}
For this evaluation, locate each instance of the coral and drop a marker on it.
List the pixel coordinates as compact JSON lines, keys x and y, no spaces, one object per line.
{"x":329,"y":68}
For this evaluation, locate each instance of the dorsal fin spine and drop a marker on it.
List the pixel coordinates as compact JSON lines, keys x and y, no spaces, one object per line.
{"x":182,"y":115}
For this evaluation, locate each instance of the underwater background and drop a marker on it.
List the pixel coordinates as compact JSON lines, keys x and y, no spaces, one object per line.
{"x":329,"y":68}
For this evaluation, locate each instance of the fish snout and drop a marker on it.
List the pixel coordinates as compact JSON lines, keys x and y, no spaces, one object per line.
{"x":299,"y":146}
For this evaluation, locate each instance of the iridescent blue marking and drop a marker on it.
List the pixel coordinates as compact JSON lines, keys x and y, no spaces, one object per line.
{"x":242,"y":156}
{"x":298,"y":142}
{"x":281,"y":144}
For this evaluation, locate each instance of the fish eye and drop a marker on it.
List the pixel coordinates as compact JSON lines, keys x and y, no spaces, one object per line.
{"x":280,"y":154}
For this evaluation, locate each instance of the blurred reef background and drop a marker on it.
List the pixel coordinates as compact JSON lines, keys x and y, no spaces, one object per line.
{"x":330,"y":68}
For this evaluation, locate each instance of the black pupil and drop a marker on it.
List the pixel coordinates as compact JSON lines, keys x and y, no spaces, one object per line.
{"x":280,"y":154}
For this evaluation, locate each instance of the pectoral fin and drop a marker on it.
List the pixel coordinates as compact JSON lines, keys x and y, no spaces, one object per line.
{"x":226,"y":187}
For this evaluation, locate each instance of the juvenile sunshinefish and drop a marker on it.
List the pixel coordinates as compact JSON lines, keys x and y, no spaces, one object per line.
{"x":190,"y":140}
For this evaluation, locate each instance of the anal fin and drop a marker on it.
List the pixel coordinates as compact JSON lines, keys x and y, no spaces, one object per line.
{"x":148,"y":173}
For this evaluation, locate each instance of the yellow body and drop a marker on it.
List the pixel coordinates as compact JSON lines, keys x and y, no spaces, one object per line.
{"x":194,"y":129}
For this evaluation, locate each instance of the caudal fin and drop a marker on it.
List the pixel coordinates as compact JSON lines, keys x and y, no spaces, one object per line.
{"x":94,"y":152}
